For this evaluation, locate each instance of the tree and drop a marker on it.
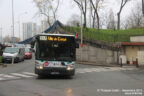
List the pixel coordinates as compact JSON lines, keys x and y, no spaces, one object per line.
{"x":74,"y":20}
{"x":123,"y":3}
{"x":137,"y":15}
{"x":95,"y":5}
{"x":10,"y":40}
{"x":7,"y":39}
{"x":135,"y":19}
{"x":111,"y":20}
{"x":48,"y":8}
{"x":82,"y":4}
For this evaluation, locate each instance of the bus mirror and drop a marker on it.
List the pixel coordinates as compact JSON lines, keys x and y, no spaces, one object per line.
{"x":77,"y":45}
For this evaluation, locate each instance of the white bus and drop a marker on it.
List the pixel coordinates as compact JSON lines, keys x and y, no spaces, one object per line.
{"x":55,"y":54}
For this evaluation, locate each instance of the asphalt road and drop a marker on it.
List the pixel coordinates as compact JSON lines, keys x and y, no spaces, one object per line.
{"x":19,"y":80}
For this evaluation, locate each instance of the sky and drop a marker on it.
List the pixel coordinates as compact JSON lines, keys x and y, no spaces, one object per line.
{"x":26,"y":10}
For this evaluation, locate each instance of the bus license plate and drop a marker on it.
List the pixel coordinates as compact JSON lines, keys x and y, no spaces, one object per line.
{"x":54,"y":73}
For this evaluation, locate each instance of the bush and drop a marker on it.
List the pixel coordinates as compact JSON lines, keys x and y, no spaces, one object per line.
{"x":107,"y":35}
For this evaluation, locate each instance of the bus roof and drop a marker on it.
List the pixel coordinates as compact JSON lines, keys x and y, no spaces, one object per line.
{"x":46,"y":34}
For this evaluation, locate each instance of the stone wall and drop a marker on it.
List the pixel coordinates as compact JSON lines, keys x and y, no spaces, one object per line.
{"x":97,"y":55}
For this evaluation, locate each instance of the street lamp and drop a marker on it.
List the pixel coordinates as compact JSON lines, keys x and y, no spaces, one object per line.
{"x":81,"y":35}
{"x":1,"y":34}
{"x":81,"y":29}
{"x":143,"y":6}
{"x":20,"y":22}
{"x":12,"y":22}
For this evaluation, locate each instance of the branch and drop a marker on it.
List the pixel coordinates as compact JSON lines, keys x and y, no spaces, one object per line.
{"x":80,"y":6}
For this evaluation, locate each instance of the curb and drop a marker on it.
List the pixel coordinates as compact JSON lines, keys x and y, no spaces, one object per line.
{"x":95,"y":64}
{"x":107,"y":65}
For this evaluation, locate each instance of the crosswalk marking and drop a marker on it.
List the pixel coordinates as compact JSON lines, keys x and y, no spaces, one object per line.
{"x":28,"y":73}
{"x":2,"y":79}
{"x":1,"y":74}
{"x":9,"y":76}
{"x":14,"y":76}
{"x":21,"y":75}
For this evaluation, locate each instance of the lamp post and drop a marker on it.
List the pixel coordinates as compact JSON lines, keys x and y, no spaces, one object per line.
{"x":81,"y":34}
{"x":12,"y":22}
{"x":1,"y":34}
{"x":20,"y":24}
{"x":143,"y":7}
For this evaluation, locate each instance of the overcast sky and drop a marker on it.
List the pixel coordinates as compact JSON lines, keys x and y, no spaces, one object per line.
{"x":67,"y":8}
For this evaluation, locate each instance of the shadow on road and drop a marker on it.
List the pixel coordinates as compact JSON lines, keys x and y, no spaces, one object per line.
{"x":55,"y":77}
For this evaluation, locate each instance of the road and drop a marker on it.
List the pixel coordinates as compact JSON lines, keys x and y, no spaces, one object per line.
{"x":19,"y":80}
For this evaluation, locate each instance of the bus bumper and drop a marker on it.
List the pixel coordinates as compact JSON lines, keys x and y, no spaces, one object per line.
{"x":55,"y":71}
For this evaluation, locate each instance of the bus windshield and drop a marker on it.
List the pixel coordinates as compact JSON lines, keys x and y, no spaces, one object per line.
{"x":56,"y":51}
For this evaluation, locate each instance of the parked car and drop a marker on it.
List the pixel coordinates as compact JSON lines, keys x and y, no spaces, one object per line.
{"x":28,"y":53}
{"x":13,"y":52}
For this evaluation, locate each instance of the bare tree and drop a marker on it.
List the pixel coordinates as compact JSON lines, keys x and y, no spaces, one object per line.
{"x":95,"y":4}
{"x":123,"y":3}
{"x":7,"y":39}
{"x":74,"y":20}
{"x":82,"y":4}
{"x":111,"y":20}
{"x":48,"y":8}
{"x":136,"y":17}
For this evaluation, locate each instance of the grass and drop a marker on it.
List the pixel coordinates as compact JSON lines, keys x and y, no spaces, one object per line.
{"x":107,"y":35}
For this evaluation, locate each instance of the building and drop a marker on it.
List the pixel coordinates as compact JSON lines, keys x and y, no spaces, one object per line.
{"x":29,"y":30}
{"x":133,"y":52}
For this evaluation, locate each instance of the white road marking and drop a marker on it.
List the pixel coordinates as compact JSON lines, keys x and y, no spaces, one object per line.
{"x":2,"y":79}
{"x":10,"y":76}
{"x":28,"y":73}
{"x":21,"y":75}
{"x":13,"y":76}
{"x":1,"y":74}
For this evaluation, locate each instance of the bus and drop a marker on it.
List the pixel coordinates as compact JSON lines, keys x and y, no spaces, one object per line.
{"x":55,"y":54}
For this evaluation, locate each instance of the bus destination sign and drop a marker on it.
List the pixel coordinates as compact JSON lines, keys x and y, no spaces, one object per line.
{"x":51,"y":38}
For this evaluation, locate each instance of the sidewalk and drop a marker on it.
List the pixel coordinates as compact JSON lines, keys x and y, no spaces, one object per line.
{"x":108,"y":65}
{"x":97,"y":64}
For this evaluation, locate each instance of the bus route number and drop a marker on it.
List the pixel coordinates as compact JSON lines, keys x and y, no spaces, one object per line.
{"x":43,"y":38}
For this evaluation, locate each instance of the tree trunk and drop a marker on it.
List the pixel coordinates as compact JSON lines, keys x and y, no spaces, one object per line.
{"x":93,"y":21}
{"x":98,"y":24}
{"x":85,"y":20}
{"x":84,"y":25}
{"x":118,"y":22}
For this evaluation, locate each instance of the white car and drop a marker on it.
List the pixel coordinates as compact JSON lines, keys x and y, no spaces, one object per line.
{"x":13,"y":52}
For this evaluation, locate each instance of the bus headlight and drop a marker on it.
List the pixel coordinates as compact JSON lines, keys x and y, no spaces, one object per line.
{"x":39,"y":66}
{"x":70,"y":68}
